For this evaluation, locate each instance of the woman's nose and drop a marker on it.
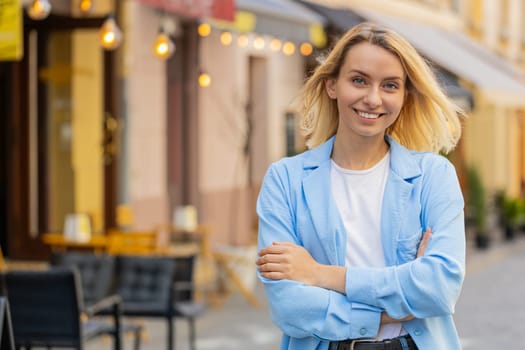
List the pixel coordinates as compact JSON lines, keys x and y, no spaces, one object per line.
{"x":373,"y":98}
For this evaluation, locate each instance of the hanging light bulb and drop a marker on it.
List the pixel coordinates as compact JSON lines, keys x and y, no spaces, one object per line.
{"x":306,"y":49}
{"x":276,"y":44}
{"x":259,"y":43}
{"x":288,"y":48}
{"x":204,"y":29}
{"x":164,"y":47}
{"x":243,"y":40}
{"x":226,"y":38}
{"x":39,"y":9}
{"x":110,"y":34}
{"x":204,"y":79}
{"x":85,"y":6}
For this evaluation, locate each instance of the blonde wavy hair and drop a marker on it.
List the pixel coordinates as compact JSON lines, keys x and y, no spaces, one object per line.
{"x":428,"y":121}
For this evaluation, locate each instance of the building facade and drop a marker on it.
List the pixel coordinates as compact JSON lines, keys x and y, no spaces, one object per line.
{"x":129,"y":138}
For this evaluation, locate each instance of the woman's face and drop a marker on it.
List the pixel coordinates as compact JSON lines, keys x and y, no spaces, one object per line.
{"x":370,"y":91}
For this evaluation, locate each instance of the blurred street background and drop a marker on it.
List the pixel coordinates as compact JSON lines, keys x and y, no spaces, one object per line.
{"x":145,"y":127}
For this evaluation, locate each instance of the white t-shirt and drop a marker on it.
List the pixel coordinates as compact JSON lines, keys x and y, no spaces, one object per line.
{"x":359,"y":198}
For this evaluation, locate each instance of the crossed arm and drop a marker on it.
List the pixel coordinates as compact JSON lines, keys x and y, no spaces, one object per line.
{"x":286,"y":260}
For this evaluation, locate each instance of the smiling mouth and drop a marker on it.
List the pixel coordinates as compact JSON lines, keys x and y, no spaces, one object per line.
{"x":367,"y":115}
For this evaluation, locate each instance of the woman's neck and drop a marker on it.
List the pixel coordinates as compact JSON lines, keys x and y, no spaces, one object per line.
{"x":358,"y":154}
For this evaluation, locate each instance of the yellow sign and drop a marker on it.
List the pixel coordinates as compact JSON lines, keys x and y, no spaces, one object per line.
{"x":317,"y":35}
{"x":244,"y":22}
{"x":11,"y":42}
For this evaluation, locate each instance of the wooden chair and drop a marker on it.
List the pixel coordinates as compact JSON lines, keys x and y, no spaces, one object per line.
{"x":47,"y":309}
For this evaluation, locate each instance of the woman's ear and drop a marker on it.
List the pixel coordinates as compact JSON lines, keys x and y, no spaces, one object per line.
{"x":330,"y":88}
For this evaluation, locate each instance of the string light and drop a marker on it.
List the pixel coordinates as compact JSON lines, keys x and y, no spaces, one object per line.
{"x":204,"y":79}
{"x":204,"y":29}
{"x":259,"y":43}
{"x":85,"y":6}
{"x":226,"y":38}
{"x":39,"y":9}
{"x":288,"y":48}
{"x":242,"y":40}
{"x":276,"y":44}
{"x":110,"y":34}
{"x":306,"y":49}
{"x":164,"y":47}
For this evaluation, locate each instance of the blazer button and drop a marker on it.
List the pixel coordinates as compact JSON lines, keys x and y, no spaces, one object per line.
{"x":363,"y":331}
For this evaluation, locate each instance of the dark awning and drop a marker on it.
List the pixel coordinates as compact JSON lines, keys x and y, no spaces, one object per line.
{"x":340,"y":19}
{"x":285,"y":19}
{"x":454,"y":90}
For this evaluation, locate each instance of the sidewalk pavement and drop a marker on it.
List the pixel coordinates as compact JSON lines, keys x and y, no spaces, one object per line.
{"x":237,"y":325}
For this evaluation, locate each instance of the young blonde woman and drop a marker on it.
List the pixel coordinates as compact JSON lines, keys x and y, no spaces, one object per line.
{"x":361,"y":237}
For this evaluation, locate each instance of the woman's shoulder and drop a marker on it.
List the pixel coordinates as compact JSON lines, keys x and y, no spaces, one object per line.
{"x":430,"y":158}
{"x":409,"y":163}
{"x":423,"y":158}
{"x":291,"y":163}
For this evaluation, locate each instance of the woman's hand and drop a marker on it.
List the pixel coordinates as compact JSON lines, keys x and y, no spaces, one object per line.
{"x":286,"y":260}
{"x":385,"y":318}
{"x":424,"y":242}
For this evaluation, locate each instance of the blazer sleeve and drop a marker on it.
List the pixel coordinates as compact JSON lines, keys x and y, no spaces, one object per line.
{"x":297,"y":309}
{"x":430,"y":285}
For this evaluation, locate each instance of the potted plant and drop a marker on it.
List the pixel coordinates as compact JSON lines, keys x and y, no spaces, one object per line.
{"x":477,"y":208}
{"x":513,"y":215}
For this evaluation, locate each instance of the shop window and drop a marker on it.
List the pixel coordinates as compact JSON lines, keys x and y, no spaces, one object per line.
{"x":290,"y":134}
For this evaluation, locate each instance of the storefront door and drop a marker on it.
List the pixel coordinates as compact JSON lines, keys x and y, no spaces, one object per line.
{"x":64,"y":146}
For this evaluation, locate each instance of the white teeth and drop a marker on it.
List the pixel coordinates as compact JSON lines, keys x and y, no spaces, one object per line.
{"x":368,"y":115}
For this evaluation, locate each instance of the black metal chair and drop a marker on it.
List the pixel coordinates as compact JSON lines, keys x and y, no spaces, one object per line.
{"x":47,"y":307}
{"x":149,"y":286}
{"x":184,"y":303}
{"x":6,"y":328}
{"x":97,"y":274}
{"x":145,"y":285}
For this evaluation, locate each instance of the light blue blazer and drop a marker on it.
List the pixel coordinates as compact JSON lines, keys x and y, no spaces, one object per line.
{"x":295,"y":204}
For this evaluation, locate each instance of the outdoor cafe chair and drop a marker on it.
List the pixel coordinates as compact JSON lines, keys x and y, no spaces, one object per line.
{"x":184,"y":303}
{"x":97,"y":275}
{"x":158,"y":286}
{"x":47,"y":310}
{"x":145,"y":285}
{"x":6,"y":327}
{"x":96,"y":272}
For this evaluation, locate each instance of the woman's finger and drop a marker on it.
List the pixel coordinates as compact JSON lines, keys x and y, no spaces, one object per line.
{"x":273,"y":275}
{"x":273,"y":249}
{"x":271,"y":258}
{"x":271,"y":267}
{"x":424,"y":242}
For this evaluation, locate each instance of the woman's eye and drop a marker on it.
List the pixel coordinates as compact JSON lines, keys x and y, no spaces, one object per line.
{"x":358,"y":81}
{"x":391,"y":86}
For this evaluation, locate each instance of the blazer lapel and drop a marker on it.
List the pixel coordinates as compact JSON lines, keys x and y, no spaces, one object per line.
{"x":403,"y":169}
{"x":321,"y":207}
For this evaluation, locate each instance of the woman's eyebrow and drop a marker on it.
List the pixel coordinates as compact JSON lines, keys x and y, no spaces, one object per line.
{"x":367,"y":75}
